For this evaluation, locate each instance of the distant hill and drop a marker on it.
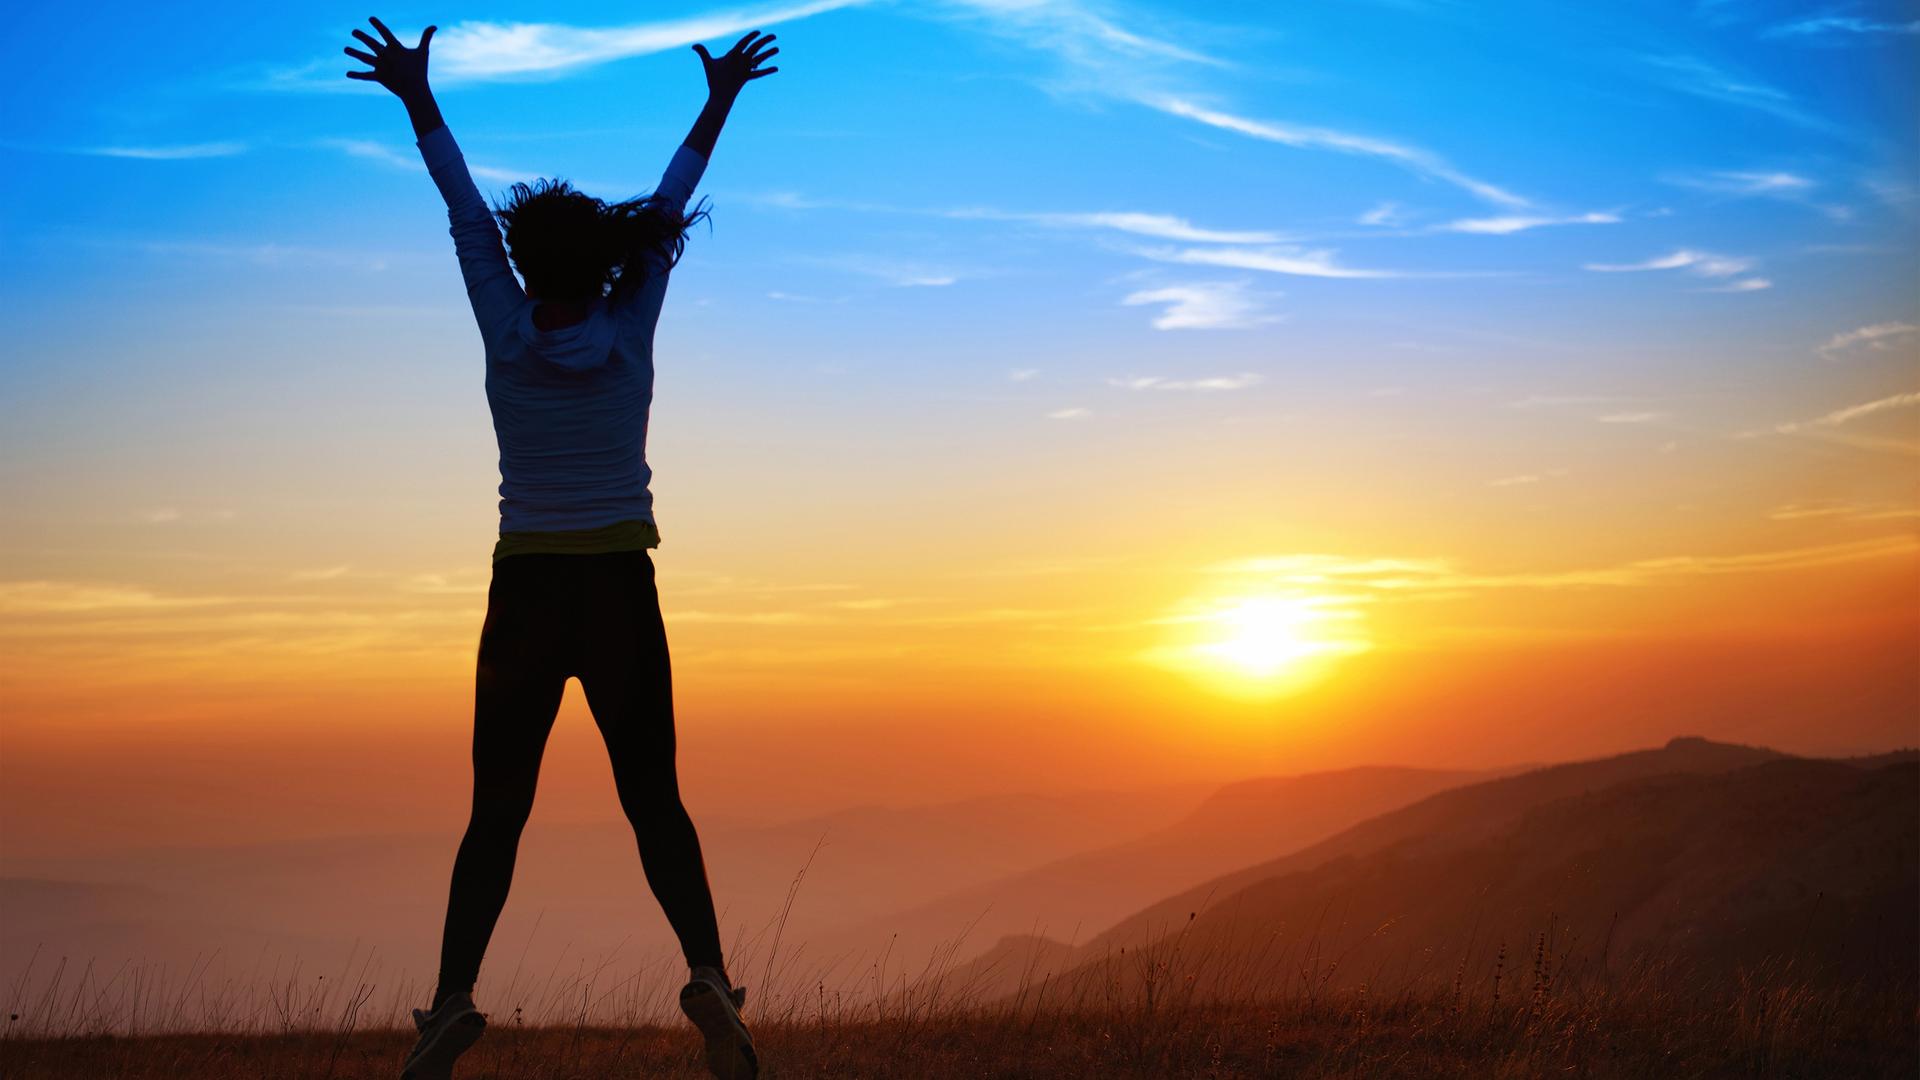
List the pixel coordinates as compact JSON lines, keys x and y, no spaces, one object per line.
{"x":1717,"y":852}
{"x":1874,"y":761}
{"x":1239,"y":824}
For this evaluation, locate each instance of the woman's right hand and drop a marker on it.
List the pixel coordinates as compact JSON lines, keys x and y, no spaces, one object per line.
{"x":396,"y":67}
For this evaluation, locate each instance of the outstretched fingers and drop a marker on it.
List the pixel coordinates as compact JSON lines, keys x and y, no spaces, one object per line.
{"x":394,"y":66}
{"x":384,"y":32}
{"x":740,"y":64}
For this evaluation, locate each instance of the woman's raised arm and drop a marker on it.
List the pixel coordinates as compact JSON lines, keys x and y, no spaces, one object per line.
{"x":491,"y":287}
{"x":726,"y":75}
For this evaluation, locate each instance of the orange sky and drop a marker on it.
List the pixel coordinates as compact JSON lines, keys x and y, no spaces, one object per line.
{"x":246,"y":696}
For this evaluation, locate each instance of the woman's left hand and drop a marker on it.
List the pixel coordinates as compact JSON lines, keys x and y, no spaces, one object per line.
{"x":740,"y":66}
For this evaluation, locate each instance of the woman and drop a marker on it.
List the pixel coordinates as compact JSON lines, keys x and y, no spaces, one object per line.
{"x":569,"y":381}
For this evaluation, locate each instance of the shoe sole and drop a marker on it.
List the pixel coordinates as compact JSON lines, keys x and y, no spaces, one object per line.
{"x":436,"y":1061}
{"x":730,"y":1053}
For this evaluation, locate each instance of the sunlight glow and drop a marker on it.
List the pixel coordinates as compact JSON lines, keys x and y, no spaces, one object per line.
{"x":1266,"y":634}
{"x":1263,"y":645}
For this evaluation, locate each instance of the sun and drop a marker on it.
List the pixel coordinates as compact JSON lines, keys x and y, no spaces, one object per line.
{"x":1263,"y":636}
{"x":1263,"y":645}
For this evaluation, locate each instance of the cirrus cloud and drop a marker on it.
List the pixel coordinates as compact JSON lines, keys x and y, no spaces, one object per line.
{"x":1205,"y":305}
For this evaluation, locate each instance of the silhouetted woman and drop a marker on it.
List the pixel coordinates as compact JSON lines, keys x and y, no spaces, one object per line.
{"x":569,"y":379}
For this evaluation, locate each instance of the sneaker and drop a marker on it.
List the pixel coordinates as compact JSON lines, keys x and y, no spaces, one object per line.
{"x":445,"y":1034}
{"x":714,"y":1008}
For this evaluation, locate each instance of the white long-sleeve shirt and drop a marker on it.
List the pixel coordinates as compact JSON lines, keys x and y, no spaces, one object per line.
{"x":569,"y":405}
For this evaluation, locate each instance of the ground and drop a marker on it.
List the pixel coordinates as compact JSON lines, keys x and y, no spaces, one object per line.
{"x":1778,"y":1033}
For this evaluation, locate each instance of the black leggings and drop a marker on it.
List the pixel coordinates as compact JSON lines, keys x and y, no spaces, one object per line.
{"x":596,"y":617}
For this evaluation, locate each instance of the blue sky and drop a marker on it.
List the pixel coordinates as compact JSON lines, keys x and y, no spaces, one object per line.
{"x":981,"y":221}
{"x":1018,"y":321}
{"x":929,"y":144}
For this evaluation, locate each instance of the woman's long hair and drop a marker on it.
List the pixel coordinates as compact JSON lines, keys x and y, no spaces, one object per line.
{"x":568,"y":245}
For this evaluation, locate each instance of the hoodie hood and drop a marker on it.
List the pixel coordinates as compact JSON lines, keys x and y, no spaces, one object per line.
{"x":586,"y":344}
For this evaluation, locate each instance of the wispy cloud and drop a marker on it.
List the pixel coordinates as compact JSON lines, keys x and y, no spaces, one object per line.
{"x":1699,"y":262}
{"x":1852,"y":511}
{"x":1113,"y":61}
{"x":746,"y":618}
{"x":1412,"y":158}
{"x":1640,"y":417}
{"x":1162,"y":226}
{"x":1899,"y":193}
{"x":899,"y":273}
{"x":452,"y":583}
{"x":1217,"y":382}
{"x":1835,"y":426}
{"x":1193,"y":306}
{"x":1692,"y":75}
{"x":508,"y":176}
{"x":1737,"y":182}
{"x":1384,"y":214}
{"x":1879,"y":336}
{"x":1854,"y":412}
{"x":1513,"y":223}
{"x":370,"y":150}
{"x":1404,"y":576}
{"x":1134,"y":222}
{"x":1515,"y":481}
{"x":180,"y":152}
{"x":1159,"y":226}
{"x":1285,"y":259}
{"x":1536,"y":401}
{"x":267,"y":254}
{"x":1762,"y":184}
{"x":1206,"y":305}
{"x":1702,"y":263}
{"x":876,"y":603}
{"x":1079,"y":35}
{"x":991,"y":616}
{"x":70,"y":597}
{"x":1843,"y":26}
{"x":1074,"y":412}
{"x":1023,"y":374}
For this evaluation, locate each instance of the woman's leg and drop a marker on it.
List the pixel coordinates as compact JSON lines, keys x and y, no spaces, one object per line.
{"x":517,"y":690}
{"x":629,"y":685}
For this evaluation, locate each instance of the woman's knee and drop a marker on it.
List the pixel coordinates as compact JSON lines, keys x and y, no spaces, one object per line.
{"x":502,"y":813}
{"x":653,"y":805}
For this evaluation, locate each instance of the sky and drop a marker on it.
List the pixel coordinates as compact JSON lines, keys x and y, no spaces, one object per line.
{"x":1066,"y":394}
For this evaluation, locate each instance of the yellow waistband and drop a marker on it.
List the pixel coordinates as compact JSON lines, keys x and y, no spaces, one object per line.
{"x":619,"y":536}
